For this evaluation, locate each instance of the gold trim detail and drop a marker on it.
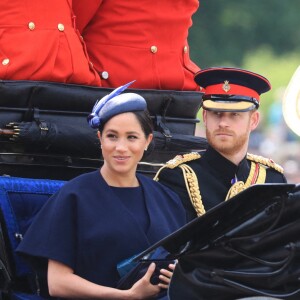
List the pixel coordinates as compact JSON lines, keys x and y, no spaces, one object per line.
{"x":240,"y":186}
{"x":233,"y":106}
{"x":257,"y":169}
{"x":261,"y":176}
{"x":236,"y":188}
{"x":190,"y":178}
{"x":180,"y":159}
{"x":226,"y":86}
{"x":265,"y":161}
{"x":176,"y":161}
{"x":192,"y":186}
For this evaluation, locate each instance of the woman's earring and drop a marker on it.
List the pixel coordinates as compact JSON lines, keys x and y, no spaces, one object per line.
{"x":146,"y":148}
{"x":100,"y":146}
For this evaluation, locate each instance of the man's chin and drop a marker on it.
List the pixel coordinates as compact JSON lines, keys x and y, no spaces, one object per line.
{"x":225,"y":151}
{"x":222,"y":146}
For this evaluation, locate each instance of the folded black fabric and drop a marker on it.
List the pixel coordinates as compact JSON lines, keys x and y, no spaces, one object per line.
{"x":259,"y":256}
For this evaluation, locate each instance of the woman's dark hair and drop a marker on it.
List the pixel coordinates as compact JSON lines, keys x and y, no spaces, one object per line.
{"x":145,"y":121}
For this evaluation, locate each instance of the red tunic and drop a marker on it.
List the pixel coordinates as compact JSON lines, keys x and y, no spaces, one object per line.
{"x":38,"y":42}
{"x":144,"y":40}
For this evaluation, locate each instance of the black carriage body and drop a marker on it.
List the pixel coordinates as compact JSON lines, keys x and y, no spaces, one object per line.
{"x":57,"y":144}
{"x":59,"y":140}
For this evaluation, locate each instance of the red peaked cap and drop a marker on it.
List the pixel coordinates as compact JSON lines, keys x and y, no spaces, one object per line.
{"x":231,"y":89}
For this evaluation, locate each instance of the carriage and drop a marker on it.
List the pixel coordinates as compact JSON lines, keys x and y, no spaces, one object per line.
{"x":45,"y":141}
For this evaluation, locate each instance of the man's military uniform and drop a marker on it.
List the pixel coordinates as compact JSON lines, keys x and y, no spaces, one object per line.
{"x":204,"y":180}
{"x":207,"y":179}
{"x":215,"y":177}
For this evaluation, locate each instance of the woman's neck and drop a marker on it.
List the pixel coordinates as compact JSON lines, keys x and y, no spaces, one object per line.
{"x":119,"y":180}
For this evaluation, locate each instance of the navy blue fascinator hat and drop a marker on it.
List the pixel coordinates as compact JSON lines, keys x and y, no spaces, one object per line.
{"x":114,"y":104}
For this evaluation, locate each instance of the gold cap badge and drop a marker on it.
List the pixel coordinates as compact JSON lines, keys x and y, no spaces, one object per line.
{"x":226,"y":86}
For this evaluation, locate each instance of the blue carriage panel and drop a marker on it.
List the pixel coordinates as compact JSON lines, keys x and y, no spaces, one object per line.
{"x":20,"y":201}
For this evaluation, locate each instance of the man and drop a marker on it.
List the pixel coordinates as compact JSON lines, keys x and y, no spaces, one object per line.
{"x":230,"y":113}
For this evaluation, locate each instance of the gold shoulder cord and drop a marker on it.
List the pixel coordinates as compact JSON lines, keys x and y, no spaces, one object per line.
{"x":190,"y":179}
{"x":192,"y":186}
{"x":257,"y":175}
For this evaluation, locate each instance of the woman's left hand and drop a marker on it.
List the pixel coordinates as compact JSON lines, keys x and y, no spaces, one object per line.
{"x":165,"y":276}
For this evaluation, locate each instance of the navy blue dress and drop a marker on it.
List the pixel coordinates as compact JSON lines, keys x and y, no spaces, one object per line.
{"x":89,"y":227}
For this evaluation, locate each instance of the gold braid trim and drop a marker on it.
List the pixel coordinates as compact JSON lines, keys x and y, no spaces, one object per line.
{"x":192,"y":186}
{"x":265,"y":161}
{"x":256,"y":162}
{"x":236,"y":188}
{"x":190,"y":178}
{"x":180,"y":159}
{"x":176,"y":161}
{"x":261,"y":177}
{"x":239,"y":186}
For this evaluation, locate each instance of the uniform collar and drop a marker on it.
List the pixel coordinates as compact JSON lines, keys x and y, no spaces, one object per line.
{"x":226,"y":169}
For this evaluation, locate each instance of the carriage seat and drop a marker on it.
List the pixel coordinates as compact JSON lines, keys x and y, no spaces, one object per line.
{"x":20,"y":201}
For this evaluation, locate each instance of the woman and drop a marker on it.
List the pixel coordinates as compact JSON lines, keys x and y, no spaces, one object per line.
{"x":101,"y":218}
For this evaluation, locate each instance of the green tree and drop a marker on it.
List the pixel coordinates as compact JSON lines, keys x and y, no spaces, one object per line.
{"x":226,"y":31}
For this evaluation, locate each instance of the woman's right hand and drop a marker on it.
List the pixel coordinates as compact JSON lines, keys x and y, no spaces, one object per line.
{"x":143,"y":289}
{"x":63,"y":283}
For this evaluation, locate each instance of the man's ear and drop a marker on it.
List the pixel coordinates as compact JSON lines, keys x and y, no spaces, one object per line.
{"x":254,"y":120}
{"x":204,"y":113}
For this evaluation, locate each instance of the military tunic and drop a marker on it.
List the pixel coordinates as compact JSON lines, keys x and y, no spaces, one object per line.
{"x":38,"y":41}
{"x":145,"y":40}
{"x":215,"y":177}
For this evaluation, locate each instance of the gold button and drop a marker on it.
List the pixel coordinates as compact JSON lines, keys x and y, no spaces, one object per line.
{"x":61,"y":27}
{"x":153,"y":49}
{"x":104,"y":75}
{"x":185,"y":49}
{"x":31,"y":25}
{"x":5,"y":61}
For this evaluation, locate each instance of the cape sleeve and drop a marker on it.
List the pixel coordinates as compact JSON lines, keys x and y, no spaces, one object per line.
{"x":52,"y":234}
